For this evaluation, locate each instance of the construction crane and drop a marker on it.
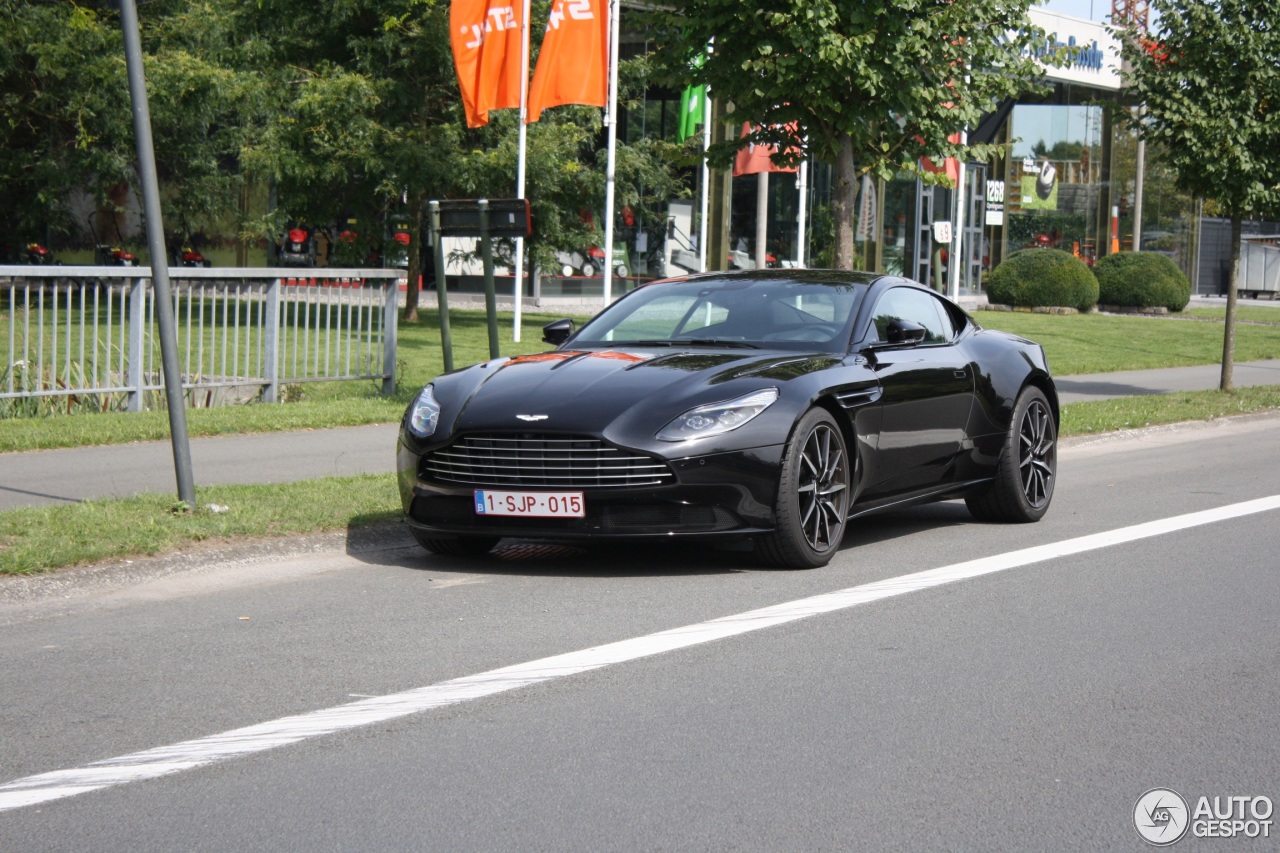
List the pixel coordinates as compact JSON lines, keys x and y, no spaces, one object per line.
{"x":1136,"y":12}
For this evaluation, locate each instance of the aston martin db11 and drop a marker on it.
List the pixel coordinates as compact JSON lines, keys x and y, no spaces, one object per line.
{"x":770,"y":405}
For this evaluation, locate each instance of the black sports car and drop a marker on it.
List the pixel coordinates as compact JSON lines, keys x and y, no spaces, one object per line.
{"x":770,"y":404}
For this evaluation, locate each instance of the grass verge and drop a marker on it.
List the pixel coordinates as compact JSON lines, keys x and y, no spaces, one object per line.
{"x":39,"y":539}
{"x":36,"y":539}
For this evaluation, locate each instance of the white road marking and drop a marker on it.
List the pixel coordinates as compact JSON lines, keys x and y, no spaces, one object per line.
{"x":162,"y":761}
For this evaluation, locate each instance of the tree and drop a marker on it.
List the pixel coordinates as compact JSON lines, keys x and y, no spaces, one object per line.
{"x":67,"y":121}
{"x":1210,"y":81}
{"x":869,"y":86}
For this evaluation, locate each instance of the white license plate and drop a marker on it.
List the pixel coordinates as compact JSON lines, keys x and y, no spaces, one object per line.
{"x":530,"y":504}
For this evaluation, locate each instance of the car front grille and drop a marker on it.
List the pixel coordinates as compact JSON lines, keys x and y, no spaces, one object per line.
{"x":541,"y":461}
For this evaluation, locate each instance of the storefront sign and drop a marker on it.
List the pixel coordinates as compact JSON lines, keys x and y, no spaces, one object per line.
{"x":1095,"y":57}
{"x":995,"y":202}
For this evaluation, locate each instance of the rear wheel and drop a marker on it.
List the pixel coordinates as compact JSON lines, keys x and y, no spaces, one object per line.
{"x":456,"y":546}
{"x":813,"y":496}
{"x":1025,"y":475}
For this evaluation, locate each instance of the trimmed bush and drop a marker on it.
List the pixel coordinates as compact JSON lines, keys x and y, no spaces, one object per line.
{"x":1142,"y":280}
{"x":1043,"y":278}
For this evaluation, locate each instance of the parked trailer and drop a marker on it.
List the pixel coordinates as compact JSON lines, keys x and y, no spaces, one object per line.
{"x":1259,"y":267}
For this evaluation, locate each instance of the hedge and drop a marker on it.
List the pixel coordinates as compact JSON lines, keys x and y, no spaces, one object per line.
{"x":1043,"y":277}
{"x":1142,"y":280}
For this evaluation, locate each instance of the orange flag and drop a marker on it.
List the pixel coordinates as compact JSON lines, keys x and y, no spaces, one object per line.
{"x":573,"y":67}
{"x":485,"y":35}
{"x":951,"y":166}
{"x":755,"y":158}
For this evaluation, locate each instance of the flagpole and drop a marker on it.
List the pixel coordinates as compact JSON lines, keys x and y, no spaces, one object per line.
{"x":611,"y":118}
{"x":706,"y":182}
{"x":518,"y":283}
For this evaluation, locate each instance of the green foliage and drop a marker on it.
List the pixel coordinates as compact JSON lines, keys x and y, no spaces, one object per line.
{"x":1142,"y":280}
{"x":1210,"y":83}
{"x":869,"y":86}
{"x":64,"y":98}
{"x":1043,"y":277}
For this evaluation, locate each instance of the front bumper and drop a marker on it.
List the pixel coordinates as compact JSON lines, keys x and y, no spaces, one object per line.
{"x":718,"y":495}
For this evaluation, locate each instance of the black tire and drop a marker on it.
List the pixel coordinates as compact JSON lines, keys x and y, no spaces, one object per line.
{"x":456,"y":546}
{"x":1028,"y":467}
{"x":812,"y":505}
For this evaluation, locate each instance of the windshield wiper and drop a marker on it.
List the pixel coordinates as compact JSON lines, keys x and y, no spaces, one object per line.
{"x":716,"y":342}
{"x":654,"y":343}
{"x":686,"y":342}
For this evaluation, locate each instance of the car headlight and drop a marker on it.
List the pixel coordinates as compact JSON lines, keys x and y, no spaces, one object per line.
{"x":425,"y":414}
{"x":718,"y":418}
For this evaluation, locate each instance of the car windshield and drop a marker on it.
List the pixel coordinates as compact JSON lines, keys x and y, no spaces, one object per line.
{"x":800,"y":310}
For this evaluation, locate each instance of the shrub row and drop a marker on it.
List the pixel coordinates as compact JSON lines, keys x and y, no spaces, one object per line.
{"x":1051,"y":277}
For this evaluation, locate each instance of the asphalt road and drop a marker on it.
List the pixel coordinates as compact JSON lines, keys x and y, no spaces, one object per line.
{"x":65,"y":476}
{"x":1005,"y":703}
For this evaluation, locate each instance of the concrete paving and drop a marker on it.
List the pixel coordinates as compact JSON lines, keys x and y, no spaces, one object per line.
{"x":45,"y":477}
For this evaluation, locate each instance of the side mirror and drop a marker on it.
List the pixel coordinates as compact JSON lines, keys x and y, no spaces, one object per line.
{"x":904,"y":332}
{"x":557,"y":332}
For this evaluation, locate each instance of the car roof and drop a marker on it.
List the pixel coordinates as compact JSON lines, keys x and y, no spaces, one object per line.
{"x":781,"y":276}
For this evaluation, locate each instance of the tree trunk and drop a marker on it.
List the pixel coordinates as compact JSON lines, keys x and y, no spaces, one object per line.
{"x":844,"y":204}
{"x":414,"y":272}
{"x":1229,"y":330}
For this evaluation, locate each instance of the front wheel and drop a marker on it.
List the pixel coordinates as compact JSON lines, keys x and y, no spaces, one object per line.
{"x":456,"y":546}
{"x":813,"y":496}
{"x":1028,"y":467}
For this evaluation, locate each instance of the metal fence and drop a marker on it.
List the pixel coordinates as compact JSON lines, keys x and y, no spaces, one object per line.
{"x":90,"y":333}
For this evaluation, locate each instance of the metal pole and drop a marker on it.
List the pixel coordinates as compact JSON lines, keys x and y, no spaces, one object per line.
{"x":159,"y":257}
{"x":1138,"y":180}
{"x":802,"y":188}
{"x":706,"y":184}
{"x":442,"y":296}
{"x":490,"y":294}
{"x":957,"y":249}
{"x":518,"y":283}
{"x":762,"y":218}
{"x":611,"y":117}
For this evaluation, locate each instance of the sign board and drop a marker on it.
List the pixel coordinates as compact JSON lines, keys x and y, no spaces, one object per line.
{"x":995,"y":202}
{"x":1095,"y":52}
{"x":508,"y":217}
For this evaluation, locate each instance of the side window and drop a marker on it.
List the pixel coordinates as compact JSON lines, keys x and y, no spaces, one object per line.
{"x":915,"y":306}
{"x":946,"y":323}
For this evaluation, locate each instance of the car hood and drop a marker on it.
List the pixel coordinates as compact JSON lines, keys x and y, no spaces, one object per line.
{"x":586,"y":391}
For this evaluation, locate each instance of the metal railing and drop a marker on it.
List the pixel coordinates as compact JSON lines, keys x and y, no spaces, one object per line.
{"x":91,"y":332}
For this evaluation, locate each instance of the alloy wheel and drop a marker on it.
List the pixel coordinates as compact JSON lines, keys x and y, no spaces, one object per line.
{"x":823,"y":488}
{"x":1036,"y":454}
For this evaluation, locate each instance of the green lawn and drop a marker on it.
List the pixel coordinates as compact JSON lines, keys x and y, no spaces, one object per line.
{"x":1244,"y":312}
{"x":1103,"y":343}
